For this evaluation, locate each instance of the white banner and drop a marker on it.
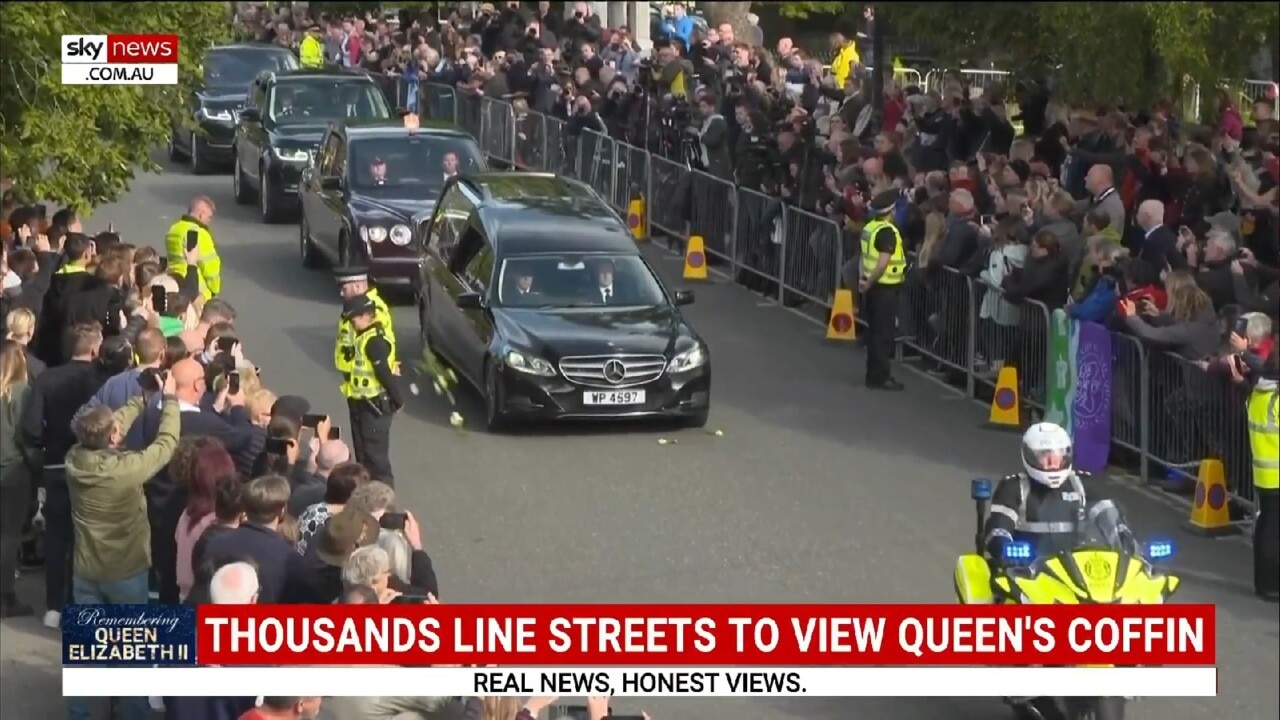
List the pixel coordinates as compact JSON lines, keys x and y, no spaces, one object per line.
{"x":120,"y":74}
{"x":312,"y":681}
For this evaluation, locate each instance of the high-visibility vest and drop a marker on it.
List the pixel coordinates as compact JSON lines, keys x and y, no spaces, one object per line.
{"x":344,"y":348}
{"x":71,"y":270}
{"x":1264,"y":438}
{"x":209,"y":265}
{"x":311,"y":52}
{"x":362,"y":383}
{"x":893,"y":274}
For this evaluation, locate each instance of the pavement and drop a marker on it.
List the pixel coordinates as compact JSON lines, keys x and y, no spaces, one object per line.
{"x":818,"y":490}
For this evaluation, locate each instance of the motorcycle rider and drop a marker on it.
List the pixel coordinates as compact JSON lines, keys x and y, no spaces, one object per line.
{"x":1046,"y":500}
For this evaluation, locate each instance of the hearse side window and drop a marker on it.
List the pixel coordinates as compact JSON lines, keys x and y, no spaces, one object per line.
{"x":479,"y":271}
{"x":468,"y":246}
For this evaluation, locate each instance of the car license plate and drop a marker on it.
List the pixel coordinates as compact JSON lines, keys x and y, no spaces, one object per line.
{"x":613,"y":397}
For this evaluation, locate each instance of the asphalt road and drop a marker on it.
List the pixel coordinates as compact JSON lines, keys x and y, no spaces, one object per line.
{"x":818,"y":490}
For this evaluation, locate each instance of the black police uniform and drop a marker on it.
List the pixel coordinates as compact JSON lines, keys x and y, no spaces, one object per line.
{"x":373,"y":394}
{"x":1027,"y":510}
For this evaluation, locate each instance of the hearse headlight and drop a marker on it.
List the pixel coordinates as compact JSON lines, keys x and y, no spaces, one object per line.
{"x":528,"y":363}
{"x":690,"y":359}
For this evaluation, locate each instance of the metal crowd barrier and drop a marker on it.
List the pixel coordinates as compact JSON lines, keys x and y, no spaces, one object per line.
{"x":1166,"y":413}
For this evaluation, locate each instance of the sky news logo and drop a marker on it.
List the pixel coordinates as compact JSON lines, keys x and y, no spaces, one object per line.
{"x":119,"y":59}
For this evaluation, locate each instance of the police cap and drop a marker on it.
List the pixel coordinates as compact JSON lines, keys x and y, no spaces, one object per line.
{"x":351,"y":275}
{"x":884,"y":202}
{"x":358,"y":305}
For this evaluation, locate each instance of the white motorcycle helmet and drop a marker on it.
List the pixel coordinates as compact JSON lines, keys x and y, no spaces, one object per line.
{"x":1046,"y":454}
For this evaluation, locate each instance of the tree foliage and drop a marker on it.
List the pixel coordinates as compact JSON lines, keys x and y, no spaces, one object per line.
{"x":1122,"y":51}
{"x":81,"y":144}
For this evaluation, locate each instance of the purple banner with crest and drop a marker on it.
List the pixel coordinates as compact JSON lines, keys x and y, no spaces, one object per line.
{"x":1091,"y":400}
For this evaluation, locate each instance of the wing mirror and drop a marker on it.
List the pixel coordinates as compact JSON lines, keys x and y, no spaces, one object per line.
{"x":470,"y":301}
{"x":684,"y":297}
{"x":250,"y":114}
{"x":331,"y":183}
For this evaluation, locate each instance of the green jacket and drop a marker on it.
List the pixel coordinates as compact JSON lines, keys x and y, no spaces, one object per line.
{"x":108,"y":507}
{"x":10,"y":419}
{"x":170,"y":326}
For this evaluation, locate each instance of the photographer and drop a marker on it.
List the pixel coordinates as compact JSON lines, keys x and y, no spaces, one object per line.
{"x":713,"y":139}
{"x":378,"y":500}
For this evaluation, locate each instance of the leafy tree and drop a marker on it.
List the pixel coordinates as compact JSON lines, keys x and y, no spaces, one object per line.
{"x":81,"y":144}
{"x":1124,"y":51}
{"x":733,"y":13}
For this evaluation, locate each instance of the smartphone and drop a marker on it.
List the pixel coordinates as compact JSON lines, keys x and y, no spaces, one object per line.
{"x":226,"y":344}
{"x":233,"y":382}
{"x":335,"y":433}
{"x":576,"y":712}
{"x":277,"y":446}
{"x":411,"y":600}
{"x":987,"y":220}
{"x":611,"y":716}
{"x":159,"y":298}
{"x":1242,"y":327}
{"x":151,"y":380}
{"x":193,"y":239}
{"x":393,"y":521}
{"x":313,"y":420}
{"x":164,"y":264}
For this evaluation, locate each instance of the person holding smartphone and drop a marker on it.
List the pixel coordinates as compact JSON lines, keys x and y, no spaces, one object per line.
{"x":191,"y":233}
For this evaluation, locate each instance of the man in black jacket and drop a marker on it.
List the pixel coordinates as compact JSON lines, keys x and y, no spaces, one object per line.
{"x":165,"y":502}
{"x":68,"y":280}
{"x":55,"y":397}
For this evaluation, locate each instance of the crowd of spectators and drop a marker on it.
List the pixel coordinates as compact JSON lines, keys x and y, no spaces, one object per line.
{"x":1134,"y":218}
{"x":144,"y":458}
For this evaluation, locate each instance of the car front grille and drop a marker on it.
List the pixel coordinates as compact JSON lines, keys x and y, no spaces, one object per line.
{"x":613,"y":371}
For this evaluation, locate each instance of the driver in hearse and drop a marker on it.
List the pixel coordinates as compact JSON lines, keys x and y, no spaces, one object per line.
{"x":522,"y":289}
{"x":378,"y":171}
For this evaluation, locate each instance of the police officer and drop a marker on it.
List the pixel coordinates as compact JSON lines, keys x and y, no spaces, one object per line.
{"x":199,"y":216}
{"x":1046,"y":499}
{"x":311,"y":49}
{"x":373,"y":388}
{"x":1264,"y":441}
{"x":354,"y":282}
{"x":884,"y":266}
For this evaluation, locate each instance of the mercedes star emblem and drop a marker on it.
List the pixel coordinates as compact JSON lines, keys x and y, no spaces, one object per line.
{"x":614,"y":371}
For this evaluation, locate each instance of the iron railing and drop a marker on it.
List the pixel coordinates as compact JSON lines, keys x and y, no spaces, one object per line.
{"x":1166,"y":414}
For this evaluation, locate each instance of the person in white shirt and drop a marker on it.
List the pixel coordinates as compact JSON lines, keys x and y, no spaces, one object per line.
{"x":450,"y":165}
{"x":604,"y":278}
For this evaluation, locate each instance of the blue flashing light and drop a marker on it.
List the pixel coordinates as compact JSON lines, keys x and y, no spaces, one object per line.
{"x":1018,"y":552}
{"x":1159,"y":550}
{"x":980,"y":489}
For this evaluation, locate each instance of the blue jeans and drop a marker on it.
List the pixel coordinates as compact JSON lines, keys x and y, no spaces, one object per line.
{"x":129,"y":591}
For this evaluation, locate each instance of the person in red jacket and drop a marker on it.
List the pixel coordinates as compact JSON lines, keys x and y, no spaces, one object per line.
{"x":1143,"y":288}
{"x":285,"y":708}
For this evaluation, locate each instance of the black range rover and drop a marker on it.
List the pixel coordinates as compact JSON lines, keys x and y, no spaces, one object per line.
{"x":228,"y":70}
{"x":532,"y":288}
{"x":281,"y":126}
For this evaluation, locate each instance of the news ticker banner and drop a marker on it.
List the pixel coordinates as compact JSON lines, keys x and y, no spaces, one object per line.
{"x":659,"y":635}
{"x":780,"y":639}
{"x":120,"y":59}
{"x":641,"y":681}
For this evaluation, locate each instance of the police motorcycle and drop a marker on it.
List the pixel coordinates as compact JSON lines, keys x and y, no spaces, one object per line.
{"x":1101,"y":563}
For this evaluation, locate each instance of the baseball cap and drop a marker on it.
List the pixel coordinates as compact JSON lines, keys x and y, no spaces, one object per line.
{"x":1227,"y":222}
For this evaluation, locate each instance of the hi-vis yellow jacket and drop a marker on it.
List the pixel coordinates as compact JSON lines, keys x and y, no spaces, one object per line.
{"x":209,"y":264}
{"x":311,"y":52}
{"x":840,"y":64}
